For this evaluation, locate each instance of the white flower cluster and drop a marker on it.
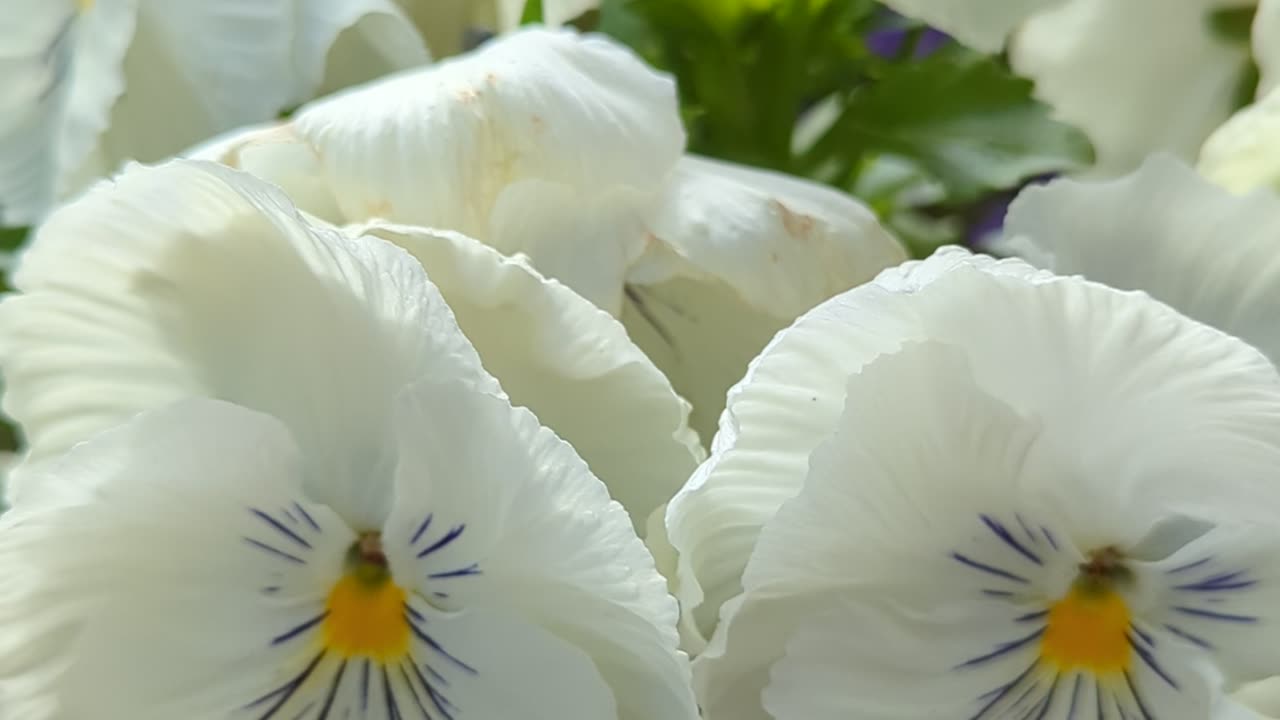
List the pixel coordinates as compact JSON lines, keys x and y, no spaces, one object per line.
{"x":468,"y":394}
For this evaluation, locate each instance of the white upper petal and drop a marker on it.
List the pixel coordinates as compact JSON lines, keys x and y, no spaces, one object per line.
{"x":1131,"y":98}
{"x":437,"y":147}
{"x":1167,"y":231}
{"x":981,"y":24}
{"x":567,"y":361}
{"x":534,"y":532}
{"x":733,"y":255}
{"x":192,"y":279}
{"x":1244,"y":152}
{"x":62,"y":71}
{"x":1127,"y":372}
{"x":212,"y":66}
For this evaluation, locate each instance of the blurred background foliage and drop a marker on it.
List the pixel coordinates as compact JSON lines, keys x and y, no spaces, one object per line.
{"x":933,"y":137}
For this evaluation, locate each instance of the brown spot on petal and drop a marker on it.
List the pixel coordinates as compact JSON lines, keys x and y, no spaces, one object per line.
{"x":797,"y":225}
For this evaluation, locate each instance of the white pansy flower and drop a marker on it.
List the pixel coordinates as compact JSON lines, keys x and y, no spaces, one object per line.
{"x":567,"y":149}
{"x":192,"y":279}
{"x":1169,"y":232}
{"x":92,"y":83}
{"x":198,"y":563}
{"x":1131,"y":98}
{"x":999,"y":490}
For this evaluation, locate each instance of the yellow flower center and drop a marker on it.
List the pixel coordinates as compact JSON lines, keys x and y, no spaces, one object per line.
{"x":1088,"y":629}
{"x":366,"y":611}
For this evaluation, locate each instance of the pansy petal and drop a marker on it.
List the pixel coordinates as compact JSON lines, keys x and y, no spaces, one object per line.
{"x":1164,"y":377}
{"x":1219,"y":592}
{"x":567,"y":361}
{"x":894,"y":666}
{"x":166,"y":500}
{"x":347,"y":42}
{"x":1167,"y":231}
{"x":734,"y":254}
{"x":192,"y":279}
{"x":497,"y":510}
{"x":271,"y":151}
{"x":981,"y":24}
{"x":1131,"y":99}
{"x":436,"y":147}
{"x":62,"y":71}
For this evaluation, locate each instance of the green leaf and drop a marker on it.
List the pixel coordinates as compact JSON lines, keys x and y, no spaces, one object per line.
{"x":532,"y":14}
{"x":964,"y":118}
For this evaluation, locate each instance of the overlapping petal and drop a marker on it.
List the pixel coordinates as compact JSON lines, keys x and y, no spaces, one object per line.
{"x":558,"y":612}
{"x":1166,"y":93}
{"x":1128,"y":349}
{"x":193,"y":279}
{"x":567,"y":149}
{"x":90,"y":76}
{"x":950,"y":442}
{"x":1169,"y":232}
{"x":565,"y":359}
{"x":734,"y":255}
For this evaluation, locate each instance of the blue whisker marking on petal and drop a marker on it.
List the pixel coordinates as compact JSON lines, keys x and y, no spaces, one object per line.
{"x":1188,"y":566}
{"x":364,"y":686}
{"x":417,"y":534}
{"x":413,"y":692}
{"x":1032,"y":616}
{"x":1097,"y":696}
{"x":275,"y":551}
{"x":998,"y":593}
{"x":1003,"y":533}
{"x":1189,"y":637}
{"x":1133,"y":690}
{"x":1149,"y":658}
{"x":990,"y":569}
{"x":435,"y":675}
{"x":307,"y":516}
{"x":441,"y":595}
{"x":414,"y":613}
{"x":431,"y":643}
{"x":280,"y":527}
{"x":285,"y":691}
{"x":271,"y":590}
{"x":1146,"y":637}
{"x":472,"y":569}
{"x":333,"y":692}
{"x":1236,"y":580}
{"x":441,"y":703}
{"x":1002,"y":649}
{"x":1053,"y":543}
{"x":289,"y":515}
{"x":1047,"y":702}
{"x":1026,"y":529}
{"x":393,"y":709}
{"x":299,"y":629}
{"x":445,"y":539}
{"x":1003,"y":691}
{"x":1211,"y":615}
{"x":1075,"y":696}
